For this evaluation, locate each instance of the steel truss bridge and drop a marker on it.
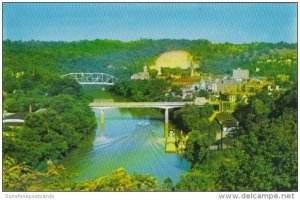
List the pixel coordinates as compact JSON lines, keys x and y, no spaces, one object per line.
{"x":92,"y":78}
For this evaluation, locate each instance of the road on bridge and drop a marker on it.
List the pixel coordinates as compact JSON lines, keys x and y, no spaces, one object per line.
{"x":164,"y":105}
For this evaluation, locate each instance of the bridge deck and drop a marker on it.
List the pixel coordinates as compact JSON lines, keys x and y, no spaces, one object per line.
{"x":100,"y":104}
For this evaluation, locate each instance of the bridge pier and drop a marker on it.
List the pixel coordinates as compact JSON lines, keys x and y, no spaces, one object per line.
{"x":102,"y":117}
{"x":166,"y":128}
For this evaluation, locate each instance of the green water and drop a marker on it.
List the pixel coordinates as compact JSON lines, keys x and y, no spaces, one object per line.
{"x":133,"y":140}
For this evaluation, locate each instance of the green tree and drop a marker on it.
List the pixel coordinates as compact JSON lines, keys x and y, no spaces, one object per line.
{"x":195,"y":180}
{"x":168,"y":185}
{"x":186,"y":117}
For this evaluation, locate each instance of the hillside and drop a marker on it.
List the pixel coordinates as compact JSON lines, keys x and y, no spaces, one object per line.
{"x":29,"y":64}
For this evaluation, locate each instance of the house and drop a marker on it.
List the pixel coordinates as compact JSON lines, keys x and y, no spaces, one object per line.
{"x":256,"y":84}
{"x":16,"y":119}
{"x":201,"y":100}
{"x":188,"y":91}
{"x":232,"y":98}
{"x":228,"y":86}
{"x":240,"y":74}
{"x":228,"y":124}
{"x":214,"y":87}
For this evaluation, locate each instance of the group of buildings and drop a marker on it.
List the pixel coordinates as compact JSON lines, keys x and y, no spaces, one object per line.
{"x":240,"y":84}
{"x":237,"y":87}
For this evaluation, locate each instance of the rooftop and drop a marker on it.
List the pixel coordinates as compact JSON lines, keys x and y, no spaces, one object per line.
{"x":226,"y":119}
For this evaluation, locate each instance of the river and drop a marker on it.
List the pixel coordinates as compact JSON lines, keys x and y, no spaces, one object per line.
{"x":127,"y":140}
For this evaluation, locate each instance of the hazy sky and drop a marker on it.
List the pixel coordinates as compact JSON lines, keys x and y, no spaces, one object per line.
{"x":217,"y":22}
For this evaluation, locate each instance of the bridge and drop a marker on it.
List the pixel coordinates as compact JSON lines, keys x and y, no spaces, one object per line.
{"x":13,"y":121}
{"x":102,"y":105}
{"x":92,"y":78}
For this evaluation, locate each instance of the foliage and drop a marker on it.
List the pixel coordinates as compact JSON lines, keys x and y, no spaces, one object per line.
{"x":27,"y":63}
{"x":266,"y":152}
{"x":52,"y":133}
{"x":196,"y":180}
{"x":203,"y":93}
{"x":263,"y":157}
{"x":68,"y":86}
{"x":19,"y":177}
{"x":167,"y":185}
{"x":201,"y":132}
{"x":142,"y":90}
{"x":120,"y":181}
{"x":186,"y":116}
{"x":191,"y":117}
{"x":16,"y":178}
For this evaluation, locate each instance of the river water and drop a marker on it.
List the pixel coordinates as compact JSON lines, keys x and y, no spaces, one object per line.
{"x":130,"y":139}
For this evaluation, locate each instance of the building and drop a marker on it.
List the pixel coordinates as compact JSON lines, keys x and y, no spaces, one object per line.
{"x":16,"y":119}
{"x":227,"y":121}
{"x":202,"y":85}
{"x":240,"y":74}
{"x":185,"y":81}
{"x":256,"y":84}
{"x":141,"y":75}
{"x":201,"y":100}
{"x":228,"y":87}
{"x":228,"y":124}
{"x":232,"y":98}
{"x":188,"y":92}
{"x":213,"y":87}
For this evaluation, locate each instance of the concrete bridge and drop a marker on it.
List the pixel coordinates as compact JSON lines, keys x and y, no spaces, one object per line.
{"x":102,"y":105}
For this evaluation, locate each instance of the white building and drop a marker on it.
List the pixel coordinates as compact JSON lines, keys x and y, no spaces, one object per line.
{"x":214,"y":87}
{"x":201,"y":100}
{"x":240,"y":74}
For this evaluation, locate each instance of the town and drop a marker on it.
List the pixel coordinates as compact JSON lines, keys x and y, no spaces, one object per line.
{"x":150,"y":97}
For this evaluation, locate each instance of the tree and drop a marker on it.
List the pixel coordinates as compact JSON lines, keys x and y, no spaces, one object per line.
{"x":119,"y":181}
{"x":264,"y":157}
{"x":16,"y":177}
{"x":176,"y":90}
{"x":186,"y":117}
{"x":196,"y":180}
{"x":203,"y":93}
{"x":68,"y":86}
{"x":168,"y":185}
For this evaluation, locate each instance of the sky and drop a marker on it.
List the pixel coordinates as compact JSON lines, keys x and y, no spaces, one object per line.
{"x":216,"y":22}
